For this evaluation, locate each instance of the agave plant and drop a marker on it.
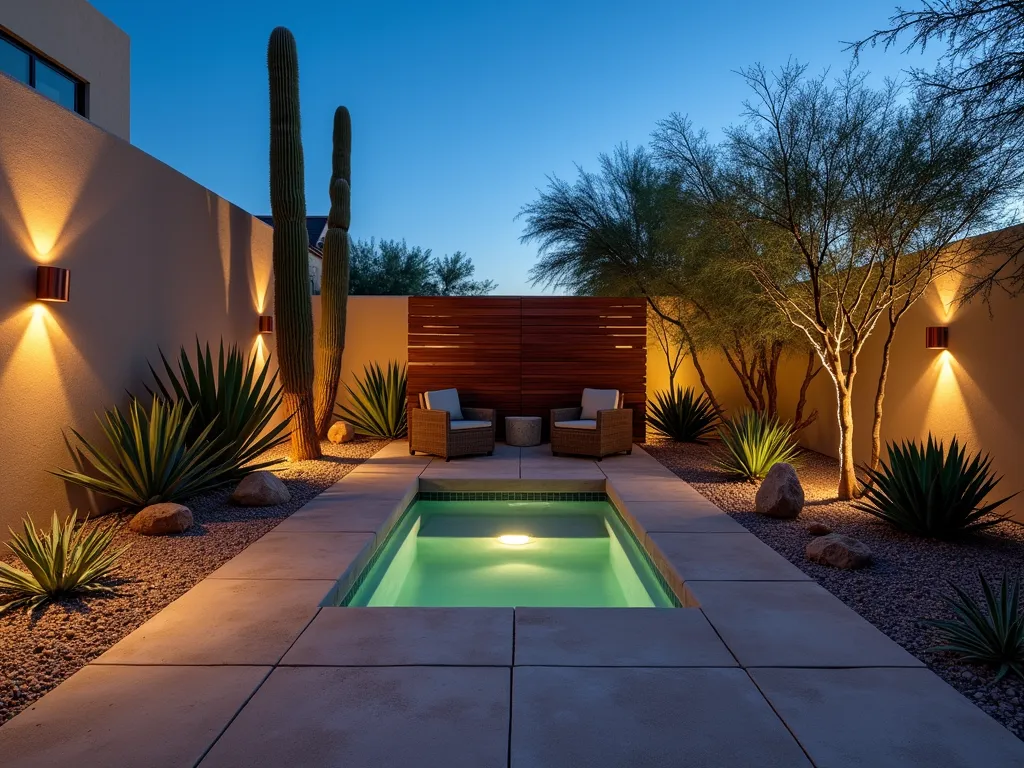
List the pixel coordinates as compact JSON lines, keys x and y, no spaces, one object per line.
{"x":752,"y":443}
{"x":149,"y":460}
{"x":931,"y":492}
{"x":682,"y":415}
{"x":989,"y":632}
{"x":61,"y":562}
{"x":378,"y":402}
{"x":233,"y":399}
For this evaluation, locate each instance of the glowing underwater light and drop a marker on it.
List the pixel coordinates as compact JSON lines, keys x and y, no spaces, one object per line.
{"x":514,"y":539}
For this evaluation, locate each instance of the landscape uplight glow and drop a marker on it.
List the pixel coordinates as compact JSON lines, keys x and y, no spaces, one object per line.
{"x":514,"y":539}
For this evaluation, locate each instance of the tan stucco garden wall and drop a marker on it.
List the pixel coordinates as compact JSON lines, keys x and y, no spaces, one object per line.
{"x":155,"y":260}
{"x":972,"y":390}
{"x":377,"y":330}
{"x":86,"y":43}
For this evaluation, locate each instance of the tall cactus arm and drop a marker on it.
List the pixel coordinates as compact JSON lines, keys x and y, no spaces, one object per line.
{"x":292,"y":302}
{"x":334,"y":280}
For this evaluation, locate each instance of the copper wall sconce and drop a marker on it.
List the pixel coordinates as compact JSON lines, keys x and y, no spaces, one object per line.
{"x":936,"y":337}
{"x":266,"y":323}
{"x":52,"y":283}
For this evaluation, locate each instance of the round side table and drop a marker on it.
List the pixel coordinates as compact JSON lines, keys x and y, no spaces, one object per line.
{"x":522,"y":430}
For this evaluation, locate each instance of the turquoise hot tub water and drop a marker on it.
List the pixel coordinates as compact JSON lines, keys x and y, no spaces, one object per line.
{"x":510,"y":553}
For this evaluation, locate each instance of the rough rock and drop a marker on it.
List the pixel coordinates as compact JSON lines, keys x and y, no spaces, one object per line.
{"x":261,"y":489}
{"x":817,"y":529}
{"x":341,"y":432}
{"x":162,"y":520}
{"x":839,"y":551}
{"x":780,"y":494}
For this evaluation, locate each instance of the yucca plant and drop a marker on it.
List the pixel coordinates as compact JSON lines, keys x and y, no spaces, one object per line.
{"x":683,"y":415}
{"x":931,"y":492}
{"x":752,"y":443}
{"x":989,"y":632}
{"x":232,"y":399}
{"x":149,"y":460}
{"x":378,"y":402}
{"x":61,"y":562}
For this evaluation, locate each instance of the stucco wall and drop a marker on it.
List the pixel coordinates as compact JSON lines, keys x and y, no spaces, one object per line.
{"x":377,"y":330}
{"x":155,"y":260}
{"x":972,"y":390}
{"x":84,"y":42}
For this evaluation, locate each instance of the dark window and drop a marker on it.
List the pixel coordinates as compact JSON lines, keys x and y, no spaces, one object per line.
{"x":50,"y":80}
{"x":14,"y":61}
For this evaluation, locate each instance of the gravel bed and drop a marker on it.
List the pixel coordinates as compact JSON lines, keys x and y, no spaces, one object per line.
{"x":38,"y":650}
{"x":904,"y":583}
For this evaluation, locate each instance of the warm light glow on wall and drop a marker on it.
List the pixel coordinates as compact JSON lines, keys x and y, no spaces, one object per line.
{"x":948,"y":289}
{"x":38,"y":377}
{"x":261,"y":270}
{"x":259,"y":351}
{"x":48,"y":188}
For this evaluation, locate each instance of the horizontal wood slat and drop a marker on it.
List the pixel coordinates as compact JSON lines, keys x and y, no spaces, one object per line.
{"x":527,"y":355}
{"x":572,"y":342}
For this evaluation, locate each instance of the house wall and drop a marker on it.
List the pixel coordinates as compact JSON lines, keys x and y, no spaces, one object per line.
{"x":155,"y":260}
{"x":86,"y":43}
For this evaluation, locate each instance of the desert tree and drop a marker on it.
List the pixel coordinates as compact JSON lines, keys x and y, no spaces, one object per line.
{"x":453,"y":276}
{"x":982,"y":66}
{"x":393,"y":268}
{"x":981,"y":70}
{"x":872,"y":190}
{"x":669,"y":340}
{"x":602,"y":236}
{"x":628,"y":230}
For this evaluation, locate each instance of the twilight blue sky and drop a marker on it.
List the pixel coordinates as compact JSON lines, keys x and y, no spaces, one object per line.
{"x":459,"y":109}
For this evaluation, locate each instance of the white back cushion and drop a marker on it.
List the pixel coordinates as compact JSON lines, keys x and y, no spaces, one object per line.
{"x":444,"y":400}
{"x":595,"y":400}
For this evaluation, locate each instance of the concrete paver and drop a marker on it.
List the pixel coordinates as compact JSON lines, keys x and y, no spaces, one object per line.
{"x":436,"y":717}
{"x":618,"y":637}
{"x":664,"y":718}
{"x":406,"y":636}
{"x":224,"y":621}
{"x":104,"y":716}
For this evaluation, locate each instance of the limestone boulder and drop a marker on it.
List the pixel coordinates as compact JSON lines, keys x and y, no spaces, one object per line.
{"x":341,"y":432}
{"x":162,"y":520}
{"x":839,"y":551}
{"x":780,"y":494}
{"x":261,"y":489}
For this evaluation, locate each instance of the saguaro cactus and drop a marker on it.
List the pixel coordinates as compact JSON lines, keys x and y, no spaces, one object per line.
{"x":334,"y":281}
{"x":292,"y":302}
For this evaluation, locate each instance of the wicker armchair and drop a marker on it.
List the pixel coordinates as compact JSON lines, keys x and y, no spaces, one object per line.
{"x":433,"y":431}
{"x":610,"y":431}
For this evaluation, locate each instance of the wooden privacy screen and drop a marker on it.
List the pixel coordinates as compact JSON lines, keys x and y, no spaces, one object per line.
{"x":526,"y":355}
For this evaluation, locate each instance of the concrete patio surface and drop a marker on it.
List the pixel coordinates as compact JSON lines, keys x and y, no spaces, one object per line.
{"x":256,"y":667}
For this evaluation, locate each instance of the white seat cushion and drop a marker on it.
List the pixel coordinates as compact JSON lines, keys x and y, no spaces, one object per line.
{"x":444,"y":400}
{"x":469,"y":424}
{"x":595,"y":400}
{"x":577,"y":424}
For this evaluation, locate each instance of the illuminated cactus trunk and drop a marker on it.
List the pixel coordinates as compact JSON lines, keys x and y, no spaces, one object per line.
{"x":292,"y":303}
{"x":334,"y":281}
